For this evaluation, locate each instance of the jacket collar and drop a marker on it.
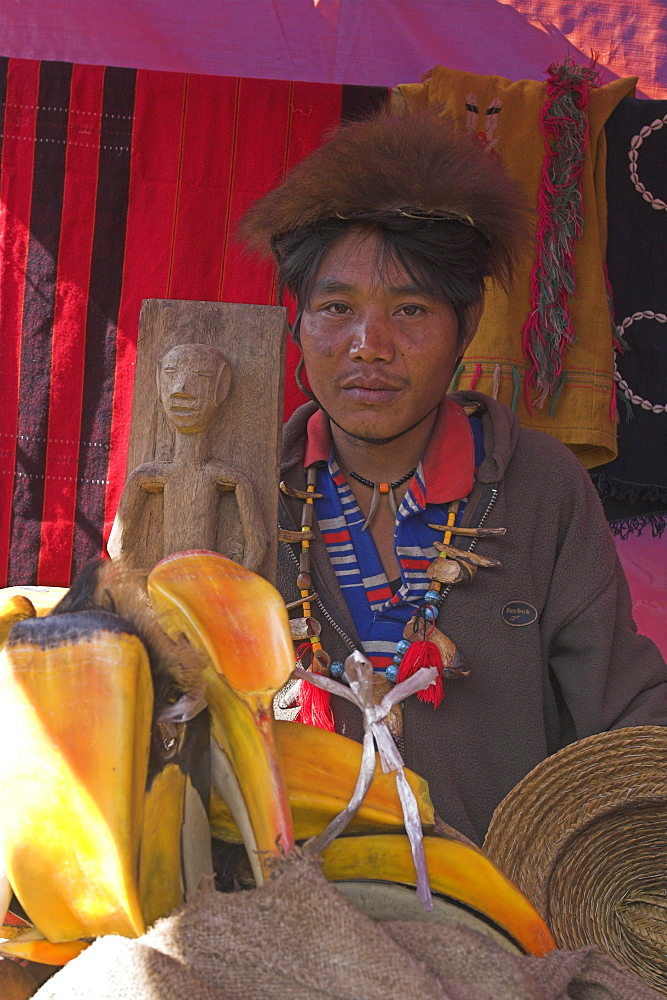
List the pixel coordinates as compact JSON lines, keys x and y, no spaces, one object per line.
{"x":501,"y":431}
{"x":449,"y":461}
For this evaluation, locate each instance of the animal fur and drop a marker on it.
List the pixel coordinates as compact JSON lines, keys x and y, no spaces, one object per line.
{"x":389,"y":162}
{"x":113,"y":585}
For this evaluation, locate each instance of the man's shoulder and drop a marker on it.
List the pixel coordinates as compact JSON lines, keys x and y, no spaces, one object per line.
{"x":507,"y":443}
{"x":294,"y":435}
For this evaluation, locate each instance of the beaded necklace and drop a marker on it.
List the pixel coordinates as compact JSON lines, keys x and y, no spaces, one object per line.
{"x":422,"y":643}
{"x":381,"y":489}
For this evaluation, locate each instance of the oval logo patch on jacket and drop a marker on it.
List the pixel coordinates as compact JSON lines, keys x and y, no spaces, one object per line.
{"x":519,"y":613}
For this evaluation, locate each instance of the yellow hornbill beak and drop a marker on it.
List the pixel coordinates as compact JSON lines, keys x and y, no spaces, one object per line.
{"x":239,"y":621}
{"x":13,"y":608}
{"x":103,"y":825}
{"x":321,"y":770}
{"x":76,"y":712}
{"x":102,"y":829}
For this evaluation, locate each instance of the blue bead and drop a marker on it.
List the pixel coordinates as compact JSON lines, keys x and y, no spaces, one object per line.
{"x":433,"y":597}
{"x":430,"y":613}
{"x":337,"y":669}
{"x":402,"y":647}
{"x":391,"y":673}
{"x":397,"y":659}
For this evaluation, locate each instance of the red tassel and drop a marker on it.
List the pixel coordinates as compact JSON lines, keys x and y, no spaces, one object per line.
{"x":315,"y":707}
{"x":423,"y":653}
{"x":476,"y":377}
{"x":314,"y":703}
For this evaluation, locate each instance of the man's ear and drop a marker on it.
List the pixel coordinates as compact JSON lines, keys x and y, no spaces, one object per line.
{"x":473,"y":317}
{"x":224,"y":383}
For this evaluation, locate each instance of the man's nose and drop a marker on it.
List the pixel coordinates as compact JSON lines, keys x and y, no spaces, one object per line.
{"x":372,"y":338}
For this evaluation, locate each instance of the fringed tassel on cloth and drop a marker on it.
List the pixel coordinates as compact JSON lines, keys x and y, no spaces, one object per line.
{"x":554,"y":400}
{"x":477,"y":375}
{"x":496,"y":382}
{"x":314,"y":703}
{"x":516,"y":387}
{"x":457,"y":375}
{"x":627,"y":526}
{"x":564,"y":125}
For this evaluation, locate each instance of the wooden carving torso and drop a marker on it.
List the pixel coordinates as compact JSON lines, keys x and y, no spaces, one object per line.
{"x":223,"y":495}
{"x":197,"y":490}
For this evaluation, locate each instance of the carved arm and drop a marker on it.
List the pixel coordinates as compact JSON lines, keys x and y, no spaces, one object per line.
{"x":255,"y":535}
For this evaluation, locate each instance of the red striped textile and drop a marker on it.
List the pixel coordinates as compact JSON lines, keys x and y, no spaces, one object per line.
{"x":118,"y":185}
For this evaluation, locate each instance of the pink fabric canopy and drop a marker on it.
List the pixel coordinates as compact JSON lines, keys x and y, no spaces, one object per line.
{"x":373,"y":42}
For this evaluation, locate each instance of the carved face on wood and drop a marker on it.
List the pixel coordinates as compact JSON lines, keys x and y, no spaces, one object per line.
{"x":193,"y":380}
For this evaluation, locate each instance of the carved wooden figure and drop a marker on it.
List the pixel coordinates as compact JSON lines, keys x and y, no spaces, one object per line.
{"x":210,"y":471}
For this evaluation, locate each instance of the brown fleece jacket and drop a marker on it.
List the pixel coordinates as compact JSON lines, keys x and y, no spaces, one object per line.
{"x":579,"y":668}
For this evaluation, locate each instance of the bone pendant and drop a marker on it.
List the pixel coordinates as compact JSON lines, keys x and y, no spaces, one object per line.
{"x":289,"y":491}
{"x":304,"y":628}
{"x":445,"y":571}
{"x":285,"y":535}
{"x":381,"y":687}
{"x":312,"y":596}
{"x":469,"y":557}
{"x":470,"y":532}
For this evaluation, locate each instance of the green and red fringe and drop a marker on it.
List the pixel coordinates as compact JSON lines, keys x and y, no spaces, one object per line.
{"x":564,"y":125}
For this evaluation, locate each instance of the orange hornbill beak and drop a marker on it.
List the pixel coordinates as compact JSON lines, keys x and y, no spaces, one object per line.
{"x":92,"y":829}
{"x":103,"y":823}
{"x":238,"y":620}
{"x":77,"y":700}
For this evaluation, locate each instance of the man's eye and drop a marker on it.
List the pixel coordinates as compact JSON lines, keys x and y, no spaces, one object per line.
{"x":411,"y":310}
{"x":337,"y":308}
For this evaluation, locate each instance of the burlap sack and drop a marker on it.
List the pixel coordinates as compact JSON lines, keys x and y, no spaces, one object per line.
{"x":298,"y":938}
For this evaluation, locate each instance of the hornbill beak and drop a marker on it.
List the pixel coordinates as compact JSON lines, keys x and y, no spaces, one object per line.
{"x":104,"y":824}
{"x":13,"y":608}
{"x":238,"y":620}
{"x":77,"y":700}
{"x":92,"y":816}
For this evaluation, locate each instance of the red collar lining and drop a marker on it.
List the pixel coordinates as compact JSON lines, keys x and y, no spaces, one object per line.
{"x":449,"y":460}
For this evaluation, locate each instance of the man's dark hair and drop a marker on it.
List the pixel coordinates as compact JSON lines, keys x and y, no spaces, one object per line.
{"x":443,"y":207}
{"x":447,"y":259}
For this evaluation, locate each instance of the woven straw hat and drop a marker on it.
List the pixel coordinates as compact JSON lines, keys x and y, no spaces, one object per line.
{"x":584,"y":835}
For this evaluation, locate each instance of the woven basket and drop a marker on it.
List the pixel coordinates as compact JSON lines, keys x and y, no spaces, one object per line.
{"x":584,"y":835}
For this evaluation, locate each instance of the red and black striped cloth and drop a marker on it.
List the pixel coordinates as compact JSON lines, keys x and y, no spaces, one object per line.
{"x":118,"y":185}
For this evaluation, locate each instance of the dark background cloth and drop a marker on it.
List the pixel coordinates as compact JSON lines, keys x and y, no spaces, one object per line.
{"x":634,"y":486}
{"x":119,"y":185}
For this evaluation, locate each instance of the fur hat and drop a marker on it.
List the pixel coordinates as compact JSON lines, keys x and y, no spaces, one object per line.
{"x":419,"y":163}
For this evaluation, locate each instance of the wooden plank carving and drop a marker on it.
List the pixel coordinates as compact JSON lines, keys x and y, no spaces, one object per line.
{"x":204,"y":454}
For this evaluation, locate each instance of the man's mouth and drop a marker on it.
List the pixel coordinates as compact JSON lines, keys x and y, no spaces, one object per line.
{"x":371,"y":390}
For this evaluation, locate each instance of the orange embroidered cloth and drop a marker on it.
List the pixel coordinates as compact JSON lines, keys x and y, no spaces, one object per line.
{"x":506,"y":117}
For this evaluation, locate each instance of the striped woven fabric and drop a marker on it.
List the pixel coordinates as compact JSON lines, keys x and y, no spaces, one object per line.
{"x":118,"y":185}
{"x":378,"y":616}
{"x":445,"y":474}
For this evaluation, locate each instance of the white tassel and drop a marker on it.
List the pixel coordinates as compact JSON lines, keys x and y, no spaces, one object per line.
{"x":496,"y":382}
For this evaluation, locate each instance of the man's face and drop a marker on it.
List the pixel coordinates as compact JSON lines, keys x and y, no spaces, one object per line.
{"x":379,"y":352}
{"x":188,"y":380}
